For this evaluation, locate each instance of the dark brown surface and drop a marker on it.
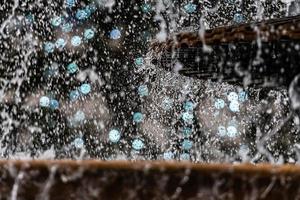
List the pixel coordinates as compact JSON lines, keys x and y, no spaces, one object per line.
{"x":147,"y":180}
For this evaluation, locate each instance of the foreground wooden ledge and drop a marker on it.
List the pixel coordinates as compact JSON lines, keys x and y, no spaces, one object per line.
{"x":66,"y":179}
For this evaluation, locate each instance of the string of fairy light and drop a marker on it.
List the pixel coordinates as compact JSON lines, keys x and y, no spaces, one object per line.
{"x":81,"y":15}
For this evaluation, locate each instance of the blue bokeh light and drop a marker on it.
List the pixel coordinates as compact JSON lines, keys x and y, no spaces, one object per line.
{"x":190,"y":8}
{"x":76,"y":40}
{"x":187,"y":131}
{"x":143,"y":90}
{"x":138,"y":117}
{"x":79,"y":143}
{"x":85,"y":88}
{"x":44,"y":101}
{"x":238,"y":18}
{"x":56,"y":21}
{"x":167,"y":104}
{"x":187,"y":144}
{"x":74,"y":95}
{"x":79,"y":116}
{"x":72,"y":68}
{"x":60,"y":43}
{"x":89,"y":34}
{"x":232,"y":96}
{"x":185,"y":157}
{"x":115,"y":34}
{"x":139,"y":61}
{"x":82,"y":14}
{"x":67,"y":27}
{"x":234,"y":106}
{"x":54,"y":104}
{"x":137,"y":144}
{"x":243,"y":96}
{"x":188,"y":117}
{"x":232,"y":131}
{"x":70,"y":3}
{"x":219,"y":103}
{"x":114,"y":135}
{"x":189,"y":106}
{"x":222,"y":131}
{"x":168,"y":155}
{"x":146,"y":8}
{"x":49,"y":47}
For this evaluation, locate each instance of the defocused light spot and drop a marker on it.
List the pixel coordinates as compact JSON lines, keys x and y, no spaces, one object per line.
{"x":231,"y":131}
{"x":167,"y":104}
{"x":234,"y":106}
{"x":81,"y":15}
{"x":54,"y":104}
{"x":114,"y":135}
{"x":168,"y":155}
{"x":67,"y":27}
{"x":88,"y":34}
{"x":76,"y":41}
{"x":44,"y":101}
{"x":219,"y":103}
{"x":146,"y":7}
{"x":187,"y":144}
{"x":49,"y":47}
{"x":188,"y":106}
{"x":70,"y":3}
{"x":186,"y":131}
{"x":79,"y":143}
{"x":60,"y":43}
{"x":190,"y":8}
{"x":138,"y":117}
{"x":79,"y":116}
{"x":139,"y":61}
{"x":243,"y":96}
{"x":137,"y":144}
{"x":185,"y":157}
{"x":72,"y":68}
{"x":221,"y":131}
{"x":143,"y":91}
{"x":238,"y":18}
{"x":74,"y":95}
{"x":56,"y":21}
{"x":232,"y":96}
{"x":188,"y":117}
{"x":85,"y":88}
{"x":115,"y":34}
